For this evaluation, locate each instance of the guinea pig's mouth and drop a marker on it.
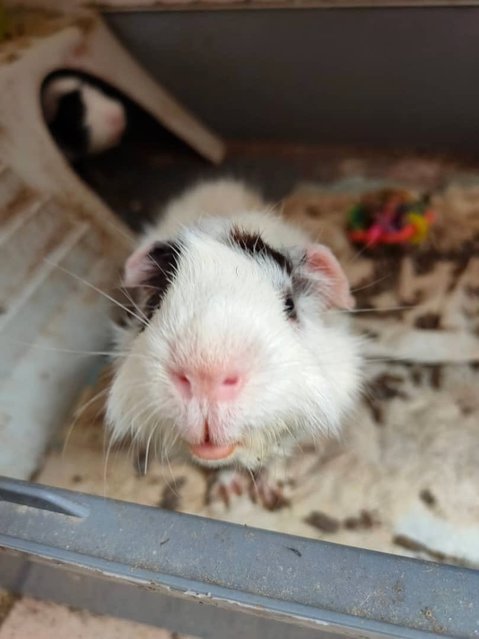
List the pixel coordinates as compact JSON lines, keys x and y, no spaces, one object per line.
{"x":208,"y":451}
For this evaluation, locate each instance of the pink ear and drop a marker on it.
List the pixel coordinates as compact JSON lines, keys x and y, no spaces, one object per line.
{"x":329,"y":278}
{"x":137,"y":266}
{"x":156,"y":259}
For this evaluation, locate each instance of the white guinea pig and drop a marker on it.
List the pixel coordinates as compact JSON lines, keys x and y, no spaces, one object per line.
{"x":81,"y":117}
{"x":236,"y":347}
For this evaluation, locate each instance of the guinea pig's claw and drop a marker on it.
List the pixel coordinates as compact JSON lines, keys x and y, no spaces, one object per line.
{"x":226,"y":485}
{"x":225,"y":492}
{"x":268,"y":493}
{"x":262,"y":491}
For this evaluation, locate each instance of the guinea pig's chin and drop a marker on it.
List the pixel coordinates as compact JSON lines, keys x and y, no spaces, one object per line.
{"x":219,"y":463}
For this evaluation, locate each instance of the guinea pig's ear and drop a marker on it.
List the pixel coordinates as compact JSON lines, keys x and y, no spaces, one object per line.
{"x":325,"y":274}
{"x":149,"y":261}
{"x":53,"y":91}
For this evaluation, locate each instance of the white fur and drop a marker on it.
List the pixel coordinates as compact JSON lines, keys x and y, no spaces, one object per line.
{"x":105,"y":118}
{"x":224,"y":307}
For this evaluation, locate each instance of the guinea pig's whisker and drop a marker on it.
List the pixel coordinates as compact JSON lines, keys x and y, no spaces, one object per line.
{"x":140,"y":286}
{"x":165,"y":458}
{"x":253,"y":479}
{"x":105,"y":467}
{"x":294,"y":436}
{"x":174,"y":439}
{"x":362,"y":288}
{"x":262,"y":449}
{"x":133,"y":445}
{"x":140,"y":401}
{"x":405,"y":362}
{"x":143,"y":415}
{"x":73,"y":351}
{"x":79,"y":413}
{"x":148,"y":418}
{"x":121,"y":230}
{"x":96,"y":289}
{"x":377,"y":310}
{"x":360,"y":252}
{"x":132,"y":417}
{"x":153,"y":432}
{"x":147,"y":451}
{"x":132,"y":301}
{"x":169,"y":277}
{"x":279,"y":443}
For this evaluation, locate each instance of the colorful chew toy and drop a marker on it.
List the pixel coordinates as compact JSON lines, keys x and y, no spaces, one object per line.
{"x":390,"y":216}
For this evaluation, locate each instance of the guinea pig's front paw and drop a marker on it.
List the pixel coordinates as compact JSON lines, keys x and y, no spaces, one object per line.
{"x":226,"y":485}
{"x":267,"y":491}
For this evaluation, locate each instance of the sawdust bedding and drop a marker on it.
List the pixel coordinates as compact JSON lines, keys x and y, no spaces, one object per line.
{"x":404,"y":478}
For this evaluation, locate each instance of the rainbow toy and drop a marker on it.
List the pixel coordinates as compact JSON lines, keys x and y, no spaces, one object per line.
{"x":390,"y":216}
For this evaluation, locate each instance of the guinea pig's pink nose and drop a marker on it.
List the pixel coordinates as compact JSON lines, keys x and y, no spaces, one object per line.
{"x":208,"y":383}
{"x":116,"y":120}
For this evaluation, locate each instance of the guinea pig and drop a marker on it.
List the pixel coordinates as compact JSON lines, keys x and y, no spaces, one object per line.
{"x":236,"y":346}
{"x":81,"y":117}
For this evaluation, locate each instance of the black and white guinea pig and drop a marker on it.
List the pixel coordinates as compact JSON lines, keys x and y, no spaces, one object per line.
{"x":235,"y":347}
{"x":82,"y":118}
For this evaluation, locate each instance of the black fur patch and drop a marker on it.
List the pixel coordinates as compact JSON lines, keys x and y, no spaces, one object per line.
{"x":139,"y":302}
{"x":68,"y":127}
{"x":163,"y":258}
{"x":253,"y":244}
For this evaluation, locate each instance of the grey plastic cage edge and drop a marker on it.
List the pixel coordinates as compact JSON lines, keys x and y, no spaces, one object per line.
{"x":219,"y":580}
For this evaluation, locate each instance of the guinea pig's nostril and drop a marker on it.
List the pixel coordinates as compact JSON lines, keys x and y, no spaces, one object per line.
{"x":182,"y":381}
{"x":209,"y":384}
{"x":227,"y":387}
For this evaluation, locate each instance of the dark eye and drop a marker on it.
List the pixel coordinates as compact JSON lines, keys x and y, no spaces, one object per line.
{"x":290,"y":307}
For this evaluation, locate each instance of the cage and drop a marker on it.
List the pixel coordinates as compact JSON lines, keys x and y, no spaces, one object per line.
{"x":236,"y":573}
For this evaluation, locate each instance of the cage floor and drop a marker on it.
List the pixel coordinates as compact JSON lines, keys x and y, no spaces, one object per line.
{"x":26,"y":617}
{"x":404,"y":477}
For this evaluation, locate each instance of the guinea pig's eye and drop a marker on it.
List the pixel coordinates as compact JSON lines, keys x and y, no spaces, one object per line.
{"x":290,"y":307}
